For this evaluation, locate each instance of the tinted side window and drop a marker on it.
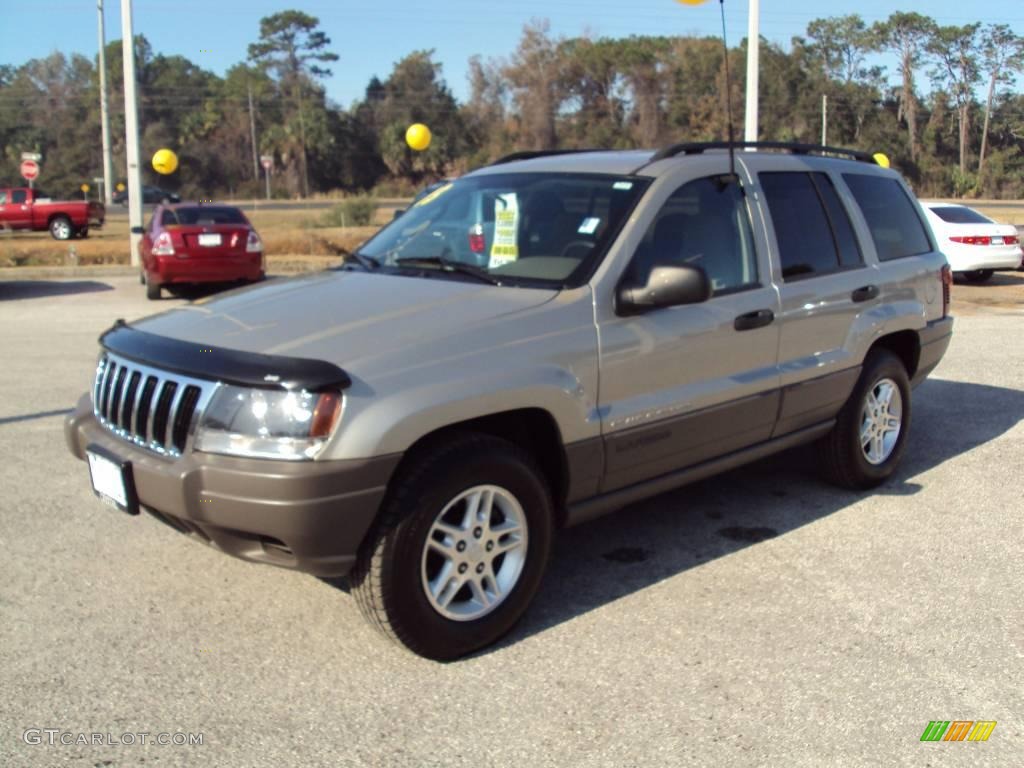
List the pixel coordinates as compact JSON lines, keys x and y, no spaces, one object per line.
{"x":842,"y":229}
{"x":812,"y":227}
{"x":895,"y":226}
{"x":703,"y":224}
{"x":19,"y":196}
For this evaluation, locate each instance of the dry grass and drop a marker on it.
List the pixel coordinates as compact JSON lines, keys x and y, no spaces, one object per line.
{"x":286,"y":237}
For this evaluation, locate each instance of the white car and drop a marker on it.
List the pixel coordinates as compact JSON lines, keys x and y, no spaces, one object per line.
{"x":974,"y":245}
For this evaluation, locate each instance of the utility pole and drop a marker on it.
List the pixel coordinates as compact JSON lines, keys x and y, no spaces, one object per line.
{"x":753,"y":52}
{"x":252,"y":137}
{"x":131,"y":130}
{"x":824,"y":119}
{"x":108,"y":163}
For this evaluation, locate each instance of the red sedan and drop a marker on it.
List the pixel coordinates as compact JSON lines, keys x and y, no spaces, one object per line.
{"x":194,"y":243}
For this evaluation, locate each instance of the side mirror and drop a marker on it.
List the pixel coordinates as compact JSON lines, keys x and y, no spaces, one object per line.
{"x":665,"y":287}
{"x":398,"y":212}
{"x":138,"y":230}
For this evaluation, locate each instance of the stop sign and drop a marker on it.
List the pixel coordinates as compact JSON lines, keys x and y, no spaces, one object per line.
{"x":29,"y":169}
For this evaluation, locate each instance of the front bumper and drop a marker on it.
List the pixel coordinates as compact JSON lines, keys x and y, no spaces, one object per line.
{"x":306,"y":516}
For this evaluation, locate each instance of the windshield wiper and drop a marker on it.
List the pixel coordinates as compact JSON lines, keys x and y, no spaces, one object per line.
{"x":449,"y":265}
{"x":369,"y":263}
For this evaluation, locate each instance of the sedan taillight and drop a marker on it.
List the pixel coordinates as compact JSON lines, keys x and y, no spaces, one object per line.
{"x":1010,"y":240}
{"x":973,"y":240}
{"x":163,"y":245}
{"x":253,"y":244}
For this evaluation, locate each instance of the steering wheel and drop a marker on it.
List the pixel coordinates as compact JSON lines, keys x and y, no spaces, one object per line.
{"x":588,"y":244}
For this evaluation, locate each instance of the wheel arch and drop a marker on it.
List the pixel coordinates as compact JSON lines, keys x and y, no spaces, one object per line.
{"x":906,"y":345}
{"x":532,"y":429}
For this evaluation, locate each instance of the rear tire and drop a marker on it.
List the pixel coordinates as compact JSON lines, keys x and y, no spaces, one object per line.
{"x":866,"y":444}
{"x":152,"y":289}
{"x":440,"y":575}
{"x":61,"y":228}
{"x":979,"y":275}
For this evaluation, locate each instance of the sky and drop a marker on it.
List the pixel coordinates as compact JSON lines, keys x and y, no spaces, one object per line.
{"x":371,"y":35}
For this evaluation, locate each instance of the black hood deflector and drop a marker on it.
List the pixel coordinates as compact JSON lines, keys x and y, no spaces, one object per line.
{"x":231,"y":366}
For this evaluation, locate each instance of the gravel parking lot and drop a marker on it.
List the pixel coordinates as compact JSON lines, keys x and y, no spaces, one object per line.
{"x":759,"y":618}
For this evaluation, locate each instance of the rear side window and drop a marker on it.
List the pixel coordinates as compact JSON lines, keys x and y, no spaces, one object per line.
{"x":19,"y":196}
{"x":812,"y":227}
{"x":895,"y":226}
{"x":959,"y":214}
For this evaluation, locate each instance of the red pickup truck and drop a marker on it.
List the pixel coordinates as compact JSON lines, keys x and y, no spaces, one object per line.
{"x":24,"y":208}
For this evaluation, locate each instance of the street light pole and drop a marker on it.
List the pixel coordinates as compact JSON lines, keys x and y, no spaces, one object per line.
{"x":131,"y":129}
{"x":108,"y":165}
{"x":753,"y":45}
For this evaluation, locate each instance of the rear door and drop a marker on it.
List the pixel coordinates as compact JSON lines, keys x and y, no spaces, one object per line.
{"x":685,"y":384}
{"x":825,"y":283}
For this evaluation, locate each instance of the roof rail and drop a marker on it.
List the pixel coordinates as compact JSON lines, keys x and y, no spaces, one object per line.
{"x":530,"y":154}
{"x":696,"y":148}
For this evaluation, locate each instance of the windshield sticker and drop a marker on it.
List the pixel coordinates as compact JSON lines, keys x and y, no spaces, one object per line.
{"x":505,"y":250}
{"x":622,"y":185}
{"x":589,"y":226}
{"x":433,"y":195}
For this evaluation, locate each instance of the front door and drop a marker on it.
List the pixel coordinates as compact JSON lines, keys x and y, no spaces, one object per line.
{"x":686,"y":384}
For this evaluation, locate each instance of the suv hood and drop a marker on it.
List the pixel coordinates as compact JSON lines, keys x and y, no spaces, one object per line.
{"x":344,"y":317}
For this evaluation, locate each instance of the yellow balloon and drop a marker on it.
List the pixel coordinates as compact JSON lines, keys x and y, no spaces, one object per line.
{"x":417,"y":136}
{"x":120,"y":187}
{"x":84,"y":187}
{"x":881,"y":159}
{"x":691,"y":2}
{"x":165,"y":161}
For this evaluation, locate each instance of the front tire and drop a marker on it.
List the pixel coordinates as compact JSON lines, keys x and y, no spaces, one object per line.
{"x":866,"y":444}
{"x":61,"y":228}
{"x":460,"y":549}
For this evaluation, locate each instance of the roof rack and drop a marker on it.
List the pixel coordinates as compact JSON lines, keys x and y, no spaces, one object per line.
{"x":696,"y":148}
{"x":530,"y":154}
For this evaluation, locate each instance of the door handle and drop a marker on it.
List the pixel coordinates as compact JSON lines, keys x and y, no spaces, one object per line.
{"x":751,"y":320}
{"x":866,"y":293}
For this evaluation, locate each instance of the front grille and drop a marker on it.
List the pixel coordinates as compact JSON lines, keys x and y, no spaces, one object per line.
{"x":154,"y":409}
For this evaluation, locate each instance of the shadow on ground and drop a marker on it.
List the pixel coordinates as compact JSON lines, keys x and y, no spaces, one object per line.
{"x":640,"y":545}
{"x":599,"y":562}
{"x":13,"y":290}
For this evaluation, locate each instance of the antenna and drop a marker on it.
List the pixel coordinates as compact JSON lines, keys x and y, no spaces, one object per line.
{"x":728,"y":96}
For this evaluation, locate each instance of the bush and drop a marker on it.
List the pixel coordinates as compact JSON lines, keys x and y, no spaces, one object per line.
{"x":353,"y":212}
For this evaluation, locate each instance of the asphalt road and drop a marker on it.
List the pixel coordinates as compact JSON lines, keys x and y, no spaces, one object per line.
{"x":760,"y":618}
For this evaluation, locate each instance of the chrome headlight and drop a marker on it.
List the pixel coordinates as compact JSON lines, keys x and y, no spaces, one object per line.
{"x":269,"y":424}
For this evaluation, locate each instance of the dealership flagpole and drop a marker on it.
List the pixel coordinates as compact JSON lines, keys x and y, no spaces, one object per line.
{"x":131,"y":130}
{"x":108,"y":165}
{"x":753,"y":52}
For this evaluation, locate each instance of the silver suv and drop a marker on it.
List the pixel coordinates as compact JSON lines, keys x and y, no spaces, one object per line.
{"x":542,"y":341}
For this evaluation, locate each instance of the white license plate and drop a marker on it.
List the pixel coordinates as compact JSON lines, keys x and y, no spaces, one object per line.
{"x":209,"y":240}
{"x":997,"y":240}
{"x":108,"y":481}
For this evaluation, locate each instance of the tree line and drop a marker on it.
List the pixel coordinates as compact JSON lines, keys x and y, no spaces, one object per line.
{"x":954,"y":123}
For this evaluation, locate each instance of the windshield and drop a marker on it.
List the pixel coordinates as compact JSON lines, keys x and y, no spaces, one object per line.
{"x":517,"y":226}
{"x":960,"y":214}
